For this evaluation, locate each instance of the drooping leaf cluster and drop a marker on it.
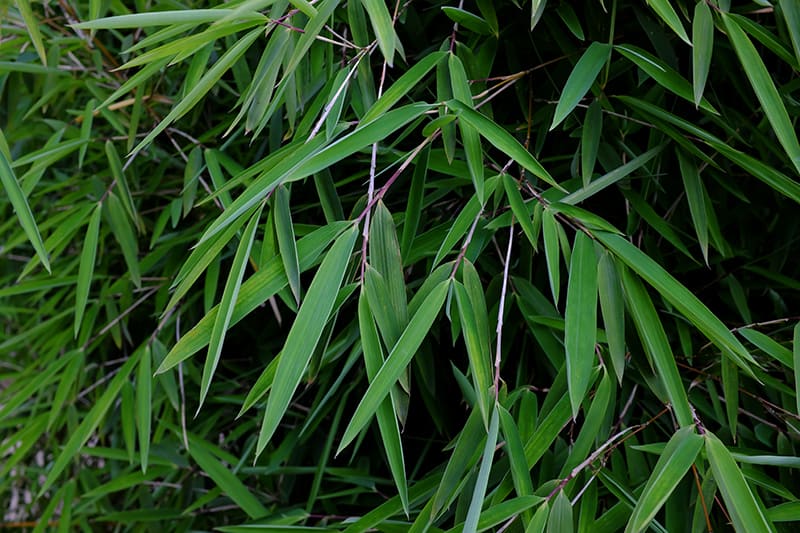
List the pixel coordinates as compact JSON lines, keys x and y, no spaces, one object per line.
{"x":352,"y":265}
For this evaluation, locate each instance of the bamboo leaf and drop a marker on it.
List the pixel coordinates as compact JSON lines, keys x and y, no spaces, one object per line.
{"x":791,"y":15}
{"x":502,"y":140}
{"x":580,"y":80}
{"x":398,"y":359}
{"x":676,"y":459}
{"x":403,"y":86}
{"x":613,"y":309}
{"x":520,"y":210}
{"x":229,"y":296}
{"x":284,"y":231}
{"x":580,"y":319}
{"x":228,"y":482}
{"x":32,"y":25}
{"x":86,"y":267}
{"x":744,"y":509}
{"x":305,"y":333}
{"x":387,"y":422}
{"x":552,"y":252}
{"x":666,"y":12}
{"x":654,"y":340}
{"x":765,"y":90}
{"x":469,"y":134}
{"x":696,"y":197}
{"x":679,"y":296}
{"x":796,"y":363}
{"x":702,"y":49}
{"x":590,"y":139}
{"x":478,"y":493}
{"x":20,"y":204}
{"x":383,"y":26}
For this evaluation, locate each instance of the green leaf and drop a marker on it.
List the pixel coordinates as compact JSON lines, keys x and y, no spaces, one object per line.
{"x":663,"y":74}
{"x":666,"y":12}
{"x":476,"y":340}
{"x":263,"y":285}
{"x":313,"y":157}
{"x":520,"y":210}
{"x":305,"y":333}
{"x":383,"y":27}
{"x":86,"y":267}
{"x":125,"y":196}
{"x":580,"y":80}
{"x":552,"y":252}
{"x":765,"y":90}
{"x":613,"y":309}
{"x":560,"y":520}
{"x":502,"y":140}
{"x":696,"y":197}
{"x":591,"y":134}
{"x":387,"y":422}
{"x":791,"y":15}
{"x":398,"y":359}
{"x":20,"y":204}
{"x":469,"y":134}
{"x":655,"y":342}
{"x":744,"y":509}
{"x":796,"y":365}
{"x":284,"y":231}
{"x":32,"y":25}
{"x":403,"y":86}
{"x":125,"y":236}
{"x":160,"y":18}
{"x":702,"y":49}
{"x":468,"y":20}
{"x":229,"y":296}
{"x":520,"y":473}
{"x":227,"y":481}
{"x":676,"y":459}
{"x":580,"y":319}
{"x":679,"y":296}
{"x":478,"y":493}
{"x":612,"y":177}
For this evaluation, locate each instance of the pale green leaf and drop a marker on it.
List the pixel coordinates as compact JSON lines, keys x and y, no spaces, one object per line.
{"x":580,"y":80}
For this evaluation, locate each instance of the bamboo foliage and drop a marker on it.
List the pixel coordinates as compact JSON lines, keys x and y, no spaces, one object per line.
{"x":352,"y":265}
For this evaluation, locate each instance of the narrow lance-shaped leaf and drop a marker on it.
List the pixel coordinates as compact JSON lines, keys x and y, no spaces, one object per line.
{"x":702,"y":48}
{"x":469,"y":135}
{"x":32,"y":24}
{"x":479,"y":491}
{"x":552,"y":252}
{"x":664,"y":9}
{"x":745,"y":511}
{"x":520,"y":210}
{"x":696,"y":197}
{"x":590,"y":139}
{"x":226,"y":480}
{"x":580,"y":80}
{"x":383,"y":27}
{"x":580,"y":325}
{"x":655,"y":341}
{"x":764,"y":87}
{"x":679,"y":296}
{"x":86,"y":266}
{"x":398,"y":360}
{"x":229,"y":295}
{"x":791,"y":14}
{"x":676,"y":459}
{"x":284,"y":231}
{"x":612,"y":307}
{"x":796,"y":363}
{"x":387,"y":422}
{"x":20,"y":204}
{"x":502,"y":140}
{"x":305,"y":333}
